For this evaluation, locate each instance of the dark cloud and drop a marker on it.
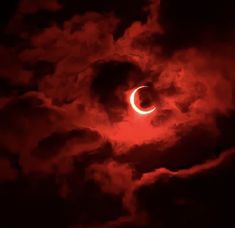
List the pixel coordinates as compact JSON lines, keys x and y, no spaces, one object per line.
{"x":7,"y":12}
{"x":112,"y":177}
{"x":7,"y":171}
{"x":195,"y":23}
{"x":200,"y":196}
{"x":56,"y":142}
{"x":194,"y":146}
{"x":25,"y":120}
{"x":137,"y":11}
{"x":32,"y":203}
{"x":110,"y":78}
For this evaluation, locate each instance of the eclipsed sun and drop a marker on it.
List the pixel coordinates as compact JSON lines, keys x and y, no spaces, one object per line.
{"x":135,"y":107}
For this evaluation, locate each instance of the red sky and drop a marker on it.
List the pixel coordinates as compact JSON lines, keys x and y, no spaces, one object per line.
{"x":74,"y":153}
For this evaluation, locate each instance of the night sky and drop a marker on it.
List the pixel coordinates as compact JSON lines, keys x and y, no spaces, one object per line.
{"x":74,"y":153}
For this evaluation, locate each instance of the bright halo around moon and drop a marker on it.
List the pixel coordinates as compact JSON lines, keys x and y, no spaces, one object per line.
{"x":134,"y":106}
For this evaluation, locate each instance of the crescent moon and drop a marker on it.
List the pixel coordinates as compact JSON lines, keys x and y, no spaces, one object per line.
{"x":133,"y":105}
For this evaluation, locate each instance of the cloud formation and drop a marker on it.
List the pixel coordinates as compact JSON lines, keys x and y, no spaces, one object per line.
{"x":73,"y":153}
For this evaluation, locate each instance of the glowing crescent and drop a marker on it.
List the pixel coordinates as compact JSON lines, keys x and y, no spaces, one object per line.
{"x":132,"y":102}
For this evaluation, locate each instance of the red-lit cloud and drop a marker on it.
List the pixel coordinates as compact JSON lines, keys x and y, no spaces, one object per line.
{"x":69,"y":137}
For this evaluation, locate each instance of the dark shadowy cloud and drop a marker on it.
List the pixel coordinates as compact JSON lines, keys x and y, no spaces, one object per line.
{"x":198,"y":196}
